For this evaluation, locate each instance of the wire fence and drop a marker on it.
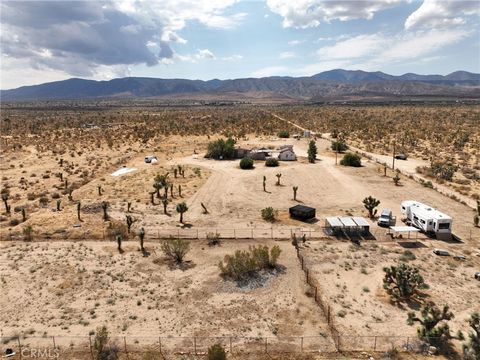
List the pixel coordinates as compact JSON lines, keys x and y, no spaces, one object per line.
{"x":317,"y":233}
{"x":59,"y":346}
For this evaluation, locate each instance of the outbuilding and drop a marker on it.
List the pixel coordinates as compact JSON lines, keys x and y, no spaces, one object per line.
{"x":302,"y":212}
{"x":287,"y":154}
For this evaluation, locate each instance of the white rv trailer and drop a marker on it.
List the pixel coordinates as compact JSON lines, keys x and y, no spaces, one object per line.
{"x":426,"y":218}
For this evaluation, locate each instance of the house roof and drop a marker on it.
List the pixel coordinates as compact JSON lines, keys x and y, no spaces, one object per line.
{"x":302,"y":208}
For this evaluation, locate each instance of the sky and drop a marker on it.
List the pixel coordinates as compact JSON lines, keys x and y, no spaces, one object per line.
{"x":43,"y":41}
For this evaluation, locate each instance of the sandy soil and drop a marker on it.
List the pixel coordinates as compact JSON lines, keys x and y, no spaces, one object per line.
{"x":71,"y":288}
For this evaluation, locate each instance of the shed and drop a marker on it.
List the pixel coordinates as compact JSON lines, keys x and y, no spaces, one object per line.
{"x":287,"y":154}
{"x":361,"y":223}
{"x":302,"y":212}
{"x":348,"y":222}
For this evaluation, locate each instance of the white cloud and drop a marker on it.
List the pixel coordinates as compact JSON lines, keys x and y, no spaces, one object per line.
{"x":232,"y":57}
{"x":310,"y":13}
{"x":295,"y":42}
{"x":287,"y":55}
{"x":354,"y":47}
{"x":270,"y":71}
{"x":204,"y":54}
{"x":442,"y":13}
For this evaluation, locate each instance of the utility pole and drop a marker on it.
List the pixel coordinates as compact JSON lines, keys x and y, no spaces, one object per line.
{"x":336,"y":154}
{"x":393,"y":157}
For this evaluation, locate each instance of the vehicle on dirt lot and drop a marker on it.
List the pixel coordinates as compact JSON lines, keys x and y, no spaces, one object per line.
{"x":386,"y":218}
{"x":441,"y":252}
{"x":401,"y":157}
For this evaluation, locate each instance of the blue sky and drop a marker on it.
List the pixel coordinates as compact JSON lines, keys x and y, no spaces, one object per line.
{"x":206,"y":39}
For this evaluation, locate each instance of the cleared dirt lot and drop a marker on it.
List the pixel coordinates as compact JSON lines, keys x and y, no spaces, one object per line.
{"x":71,"y":288}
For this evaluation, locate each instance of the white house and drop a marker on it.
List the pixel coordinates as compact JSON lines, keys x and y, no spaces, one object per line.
{"x":287,"y":153}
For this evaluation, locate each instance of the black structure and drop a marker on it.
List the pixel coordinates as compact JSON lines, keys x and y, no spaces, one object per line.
{"x":302,"y":212}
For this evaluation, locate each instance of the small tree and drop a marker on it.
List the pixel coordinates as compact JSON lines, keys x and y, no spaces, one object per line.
{"x":312,"y":151}
{"x":119,"y":239}
{"x":141,"y":236}
{"x":370,"y":204}
{"x":216,"y":352}
{"x":105,"y":206}
{"x":165,"y":202}
{"x":176,"y":249}
{"x":27,"y":233}
{"x":271,"y":162}
{"x":130,"y":220}
{"x":100,"y":344}
{"x":5,"y":201}
{"x":246,"y":163}
{"x":350,"y":159}
{"x":433,"y":327}
{"x":99,"y":190}
{"x":79,"y":207}
{"x":284,"y":134}
{"x":264,"y":183}
{"x":476,"y":217}
{"x":339,"y":145}
{"x":269,"y":214}
{"x":278,"y":178}
{"x":182,"y":208}
{"x":471,"y":350}
{"x":402,"y":281}
{"x":59,"y":205}
{"x":24,"y":215}
{"x":396,"y":178}
{"x":295,"y":189}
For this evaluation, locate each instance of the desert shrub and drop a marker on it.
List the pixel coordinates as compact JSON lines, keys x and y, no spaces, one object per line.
{"x":284,"y":134}
{"x":246,"y":163}
{"x":351,"y":159}
{"x":101,"y":346}
{"x":271,"y":162}
{"x":213,"y":238}
{"x":407,"y":256}
{"x":471,"y":349}
{"x":269,"y":214}
{"x":176,"y":249}
{"x":245,"y":264}
{"x":14,"y":222}
{"x":339,"y":146}
{"x":116,"y":229}
{"x":221,"y":149}
{"x":216,"y":352}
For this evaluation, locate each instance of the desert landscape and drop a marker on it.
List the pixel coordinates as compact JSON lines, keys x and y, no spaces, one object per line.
{"x":79,"y":192}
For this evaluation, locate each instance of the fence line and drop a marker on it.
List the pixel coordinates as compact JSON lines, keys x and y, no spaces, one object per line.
{"x":199,"y":345}
{"x":319,"y":233}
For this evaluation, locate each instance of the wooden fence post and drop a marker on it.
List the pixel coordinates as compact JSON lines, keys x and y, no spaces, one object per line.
{"x":316,"y":291}
{"x":160,"y":344}
{"x":125,"y":345}
{"x":375,"y":344}
{"x":54,"y":345}
{"x":195,"y":345}
{"x":19,"y":347}
{"x":266,"y":345}
{"x":301,"y":343}
{"x":230,"y":339}
{"x":90,"y":343}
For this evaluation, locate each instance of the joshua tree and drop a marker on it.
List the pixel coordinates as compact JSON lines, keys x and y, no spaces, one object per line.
{"x":5,"y":201}
{"x":278,"y":178}
{"x":180,"y":190}
{"x":165,"y":202}
{"x":295,"y":189}
{"x":205,"y":211}
{"x":60,"y":175}
{"x":175,"y":171}
{"x":59,"y":205}
{"x":152,"y":194}
{"x":99,"y":187}
{"x":171,"y":190}
{"x":28,"y":233}
{"x":70,"y":197}
{"x":24,"y":215}
{"x":79,"y":205}
{"x":105,"y":208}
{"x":430,"y":329}
{"x":402,"y":281}
{"x":66,"y":183}
{"x":130,"y":220}
{"x":471,"y":350}
{"x":264,"y":183}
{"x":182,"y":208}
{"x":370,"y":204}
{"x":396,"y":178}
{"x":160,"y":182}
{"x":312,"y":151}
{"x":141,"y":235}
{"x":118,"y":237}
{"x":129,"y":205}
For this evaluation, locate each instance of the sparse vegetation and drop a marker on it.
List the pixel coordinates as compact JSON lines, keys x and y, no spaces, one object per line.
{"x":176,"y":249}
{"x":402,"y":282}
{"x":351,"y":159}
{"x":269,"y":214}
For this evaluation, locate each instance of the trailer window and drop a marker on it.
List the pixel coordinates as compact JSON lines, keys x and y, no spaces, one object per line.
{"x":444,"y":226}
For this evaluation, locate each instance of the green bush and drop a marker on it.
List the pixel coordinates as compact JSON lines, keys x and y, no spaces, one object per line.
{"x":246,"y":163}
{"x":245,"y":264}
{"x":351,"y":159}
{"x":216,"y":352}
{"x":339,"y":146}
{"x":269,"y":214}
{"x":221,"y":149}
{"x":271,"y":162}
{"x":284,"y":134}
{"x":176,"y":249}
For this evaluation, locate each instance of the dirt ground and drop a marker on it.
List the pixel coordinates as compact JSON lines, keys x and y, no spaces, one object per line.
{"x":72,"y":288}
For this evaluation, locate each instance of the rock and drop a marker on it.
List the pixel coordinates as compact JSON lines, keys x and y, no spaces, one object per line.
{"x":432,"y":350}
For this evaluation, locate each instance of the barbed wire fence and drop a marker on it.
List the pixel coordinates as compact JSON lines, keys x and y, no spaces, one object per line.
{"x":199,"y":345}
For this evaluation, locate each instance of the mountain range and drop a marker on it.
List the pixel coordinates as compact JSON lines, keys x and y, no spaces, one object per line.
{"x":328,"y":84}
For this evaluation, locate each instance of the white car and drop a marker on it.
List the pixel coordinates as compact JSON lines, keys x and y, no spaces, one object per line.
{"x":441,"y":252}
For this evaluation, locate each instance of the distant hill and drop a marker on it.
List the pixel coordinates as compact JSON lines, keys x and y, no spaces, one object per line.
{"x":328,"y":84}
